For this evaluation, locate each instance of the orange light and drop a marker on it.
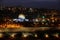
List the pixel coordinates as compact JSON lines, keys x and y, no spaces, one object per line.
{"x":12,"y":25}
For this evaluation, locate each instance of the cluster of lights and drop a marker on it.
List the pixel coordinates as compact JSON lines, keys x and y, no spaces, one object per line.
{"x":21,"y":18}
{"x":55,"y":35}
{"x":10,"y":25}
{"x":25,"y":35}
{"x":46,"y":35}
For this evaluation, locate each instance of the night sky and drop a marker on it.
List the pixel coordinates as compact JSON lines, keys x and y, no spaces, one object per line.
{"x":32,"y":3}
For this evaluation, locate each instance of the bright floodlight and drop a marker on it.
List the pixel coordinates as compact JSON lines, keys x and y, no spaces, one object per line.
{"x":21,"y":16}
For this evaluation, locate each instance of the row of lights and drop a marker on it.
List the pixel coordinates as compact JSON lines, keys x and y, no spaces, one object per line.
{"x":26,"y":35}
{"x":21,"y":17}
{"x":56,"y":35}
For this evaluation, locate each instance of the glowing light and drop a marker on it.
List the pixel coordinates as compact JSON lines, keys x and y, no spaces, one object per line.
{"x":46,"y":35}
{"x":56,"y":35}
{"x":13,"y":35}
{"x":25,"y":35}
{"x":56,"y":19}
{"x":48,"y":19}
{"x":53,"y":20}
{"x":43,"y":16}
{"x":36,"y":20}
{"x":31,"y":10}
{"x":21,"y":16}
{"x":20,"y":20}
{"x":42,"y":23}
{"x":26,"y":19}
{"x":8,"y":25}
{"x":1,"y":35}
{"x":43,"y":20}
{"x":9,"y":8}
{"x":14,"y":19}
{"x":35,"y":35}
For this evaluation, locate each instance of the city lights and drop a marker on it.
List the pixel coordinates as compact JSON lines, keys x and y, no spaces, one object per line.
{"x":21,"y":23}
{"x":10,"y":25}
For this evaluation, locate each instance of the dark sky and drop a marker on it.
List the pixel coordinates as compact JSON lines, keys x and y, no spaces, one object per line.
{"x":32,"y":3}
